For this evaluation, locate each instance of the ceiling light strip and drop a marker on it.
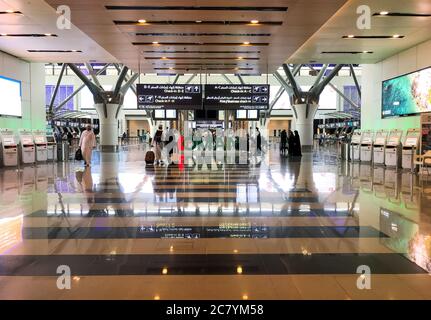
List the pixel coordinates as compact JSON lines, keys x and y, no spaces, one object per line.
{"x":197,"y":8}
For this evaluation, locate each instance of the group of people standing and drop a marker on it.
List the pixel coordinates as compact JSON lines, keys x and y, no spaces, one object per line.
{"x":290,"y":143}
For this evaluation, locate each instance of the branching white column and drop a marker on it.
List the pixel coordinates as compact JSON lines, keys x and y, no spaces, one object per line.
{"x":108,"y":126}
{"x":304,"y":121}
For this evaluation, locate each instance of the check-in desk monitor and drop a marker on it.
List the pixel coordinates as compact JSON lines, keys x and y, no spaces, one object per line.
{"x":41,"y":146}
{"x":52,"y":148}
{"x":355,"y":146}
{"x":367,"y":146}
{"x":379,"y":147}
{"x":27,"y":149}
{"x":9,"y":148}
{"x":393,"y":149}
{"x":410,"y":148}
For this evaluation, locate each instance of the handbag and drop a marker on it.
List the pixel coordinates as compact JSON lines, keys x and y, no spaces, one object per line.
{"x":78,"y":155}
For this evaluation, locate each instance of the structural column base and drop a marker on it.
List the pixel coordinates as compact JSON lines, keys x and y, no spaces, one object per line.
{"x":107,"y":148}
{"x":307,"y":148}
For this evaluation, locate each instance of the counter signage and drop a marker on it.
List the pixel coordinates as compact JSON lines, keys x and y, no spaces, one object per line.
{"x":167,"y":96}
{"x":246,"y":97}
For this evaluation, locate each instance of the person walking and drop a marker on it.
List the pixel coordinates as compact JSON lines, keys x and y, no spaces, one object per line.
{"x":158,"y":144}
{"x":283,"y":138}
{"x":258,"y":140}
{"x":297,"y":145}
{"x":87,"y":143}
{"x":290,"y":143}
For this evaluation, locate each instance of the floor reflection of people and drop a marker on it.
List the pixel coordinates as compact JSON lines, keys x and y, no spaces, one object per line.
{"x":85,"y":179}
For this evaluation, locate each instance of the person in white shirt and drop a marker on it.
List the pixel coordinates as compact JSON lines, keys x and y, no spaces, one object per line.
{"x":87,"y":143}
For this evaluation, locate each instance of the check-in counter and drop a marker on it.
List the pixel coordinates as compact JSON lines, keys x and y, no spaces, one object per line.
{"x":9,"y":148}
{"x":393,"y":149}
{"x":410,"y":148}
{"x":27,"y":149}
{"x":367,"y":146}
{"x":52,"y":148}
{"x":355,"y":146}
{"x":379,"y":147}
{"x":41,"y":146}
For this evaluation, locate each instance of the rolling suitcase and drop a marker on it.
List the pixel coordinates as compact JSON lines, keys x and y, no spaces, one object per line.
{"x":150,"y":157}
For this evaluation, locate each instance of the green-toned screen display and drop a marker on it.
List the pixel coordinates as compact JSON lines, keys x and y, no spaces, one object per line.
{"x":407,"y":95}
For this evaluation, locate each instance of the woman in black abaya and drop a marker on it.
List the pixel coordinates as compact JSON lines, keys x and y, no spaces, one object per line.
{"x":297,"y":145}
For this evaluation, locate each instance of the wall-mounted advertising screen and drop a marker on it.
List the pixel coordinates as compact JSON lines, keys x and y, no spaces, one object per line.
{"x":407,"y":95}
{"x":239,"y":96}
{"x":10,"y":97}
{"x":167,"y":96}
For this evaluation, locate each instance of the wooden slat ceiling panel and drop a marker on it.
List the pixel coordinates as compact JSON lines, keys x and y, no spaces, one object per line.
{"x":299,"y":23}
{"x":329,"y":38}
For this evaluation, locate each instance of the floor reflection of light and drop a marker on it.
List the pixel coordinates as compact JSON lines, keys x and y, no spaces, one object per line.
{"x":420,"y":251}
{"x":131,"y":181}
{"x":10,"y":232}
{"x":325,"y":182}
{"x":304,"y":208}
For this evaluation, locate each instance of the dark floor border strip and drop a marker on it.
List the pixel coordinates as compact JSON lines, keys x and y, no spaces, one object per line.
{"x":213,"y":264}
{"x":177,"y":214}
{"x":162,"y":193}
{"x":190,"y":232}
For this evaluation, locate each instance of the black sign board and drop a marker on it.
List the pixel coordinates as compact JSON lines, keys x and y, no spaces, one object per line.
{"x":168,"y":96}
{"x":231,"y":96}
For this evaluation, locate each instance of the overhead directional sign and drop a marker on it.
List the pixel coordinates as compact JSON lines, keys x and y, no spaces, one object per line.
{"x":167,"y":96}
{"x":248,"y":97}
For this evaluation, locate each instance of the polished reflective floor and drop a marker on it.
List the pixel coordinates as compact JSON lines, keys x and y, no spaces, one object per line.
{"x":277,"y":228}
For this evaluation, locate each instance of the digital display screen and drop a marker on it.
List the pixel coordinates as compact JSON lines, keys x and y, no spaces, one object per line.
{"x":253,"y":114}
{"x":165,"y":114}
{"x":406,"y":95}
{"x":237,"y":97}
{"x":159,"y":114}
{"x":171,"y":114}
{"x":10,"y":97}
{"x":166,"y":96}
{"x":241,"y":114}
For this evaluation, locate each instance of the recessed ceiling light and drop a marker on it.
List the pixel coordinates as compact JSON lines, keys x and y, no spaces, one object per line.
{"x":246,"y":43}
{"x":142,"y":21}
{"x":396,"y":36}
{"x":254,"y":21}
{"x":350,"y":36}
{"x":384,"y":13}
